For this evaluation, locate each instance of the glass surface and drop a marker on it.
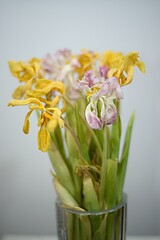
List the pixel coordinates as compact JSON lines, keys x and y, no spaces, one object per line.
{"x":103,"y":225}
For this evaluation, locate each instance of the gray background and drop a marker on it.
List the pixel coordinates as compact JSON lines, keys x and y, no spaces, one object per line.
{"x":32,"y":28}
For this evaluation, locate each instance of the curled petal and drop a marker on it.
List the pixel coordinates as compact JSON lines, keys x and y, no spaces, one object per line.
{"x":103,"y":70}
{"x":17,"y":102}
{"x":92,"y":118}
{"x":110,"y":113}
{"x":15,"y":68}
{"x":55,"y":120}
{"x":43,"y":139}
{"x":89,"y":79}
{"x":48,"y":87}
{"x":110,"y":88}
{"x":141,"y":66}
{"x":47,"y":62}
{"x":20,"y":91}
{"x":27,"y":123}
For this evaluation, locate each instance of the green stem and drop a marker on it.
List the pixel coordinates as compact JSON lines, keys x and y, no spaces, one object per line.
{"x":103,"y":169}
{"x":94,"y":138}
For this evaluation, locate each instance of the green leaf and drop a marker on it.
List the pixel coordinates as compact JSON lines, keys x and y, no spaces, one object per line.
{"x":64,"y":195}
{"x":73,"y":162}
{"x":103,"y":183}
{"x":108,"y":143}
{"x":81,"y":133}
{"x":124,"y":158}
{"x":111,"y":183}
{"x":61,"y":169}
{"x":85,"y":228}
{"x":60,"y":141}
{"x":90,"y":195}
{"x":116,"y":137}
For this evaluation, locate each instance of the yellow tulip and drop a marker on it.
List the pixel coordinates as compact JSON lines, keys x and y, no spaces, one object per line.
{"x":86,"y":60}
{"x":111,"y":59}
{"x":26,"y":73}
{"x":123,"y":68}
{"x":49,"y":119}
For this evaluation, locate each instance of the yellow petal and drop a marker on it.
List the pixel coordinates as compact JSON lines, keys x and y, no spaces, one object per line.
{"x":57,"y":113}
{"x":51,"y":125}
{"x":41,"y":83}
{"x":41,"y":120}
{"x":19,"y":92}
{"x":17,"y":102}
{"x":132,"y":56}
{"x":111,"y":59}
{"x":43,"y":139}
{"x":130,"y":75}
{"x":141,"y":66}
{"x":112,"y":72}
{"x":15,"y":68}
{"x":27,"y":123}
{"x":47,"y":88}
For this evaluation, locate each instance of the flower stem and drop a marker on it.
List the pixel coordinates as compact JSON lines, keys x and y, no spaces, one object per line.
{"x":103,"y":169}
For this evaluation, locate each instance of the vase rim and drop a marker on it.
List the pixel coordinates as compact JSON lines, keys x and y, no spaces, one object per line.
{"x":121,"y":204}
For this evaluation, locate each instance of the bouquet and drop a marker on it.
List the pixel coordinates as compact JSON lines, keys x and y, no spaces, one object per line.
{"x":77,"y":100}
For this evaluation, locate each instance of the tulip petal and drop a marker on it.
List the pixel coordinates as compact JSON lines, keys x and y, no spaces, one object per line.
{"x":43,"y":139}
{"x":26,"y":123}
{"x":92,"y":118}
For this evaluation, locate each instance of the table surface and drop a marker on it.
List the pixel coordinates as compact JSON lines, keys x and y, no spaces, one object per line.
{"x":21,"y":237}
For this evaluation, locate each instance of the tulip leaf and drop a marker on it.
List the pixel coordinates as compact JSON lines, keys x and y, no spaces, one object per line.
{"x":124,"y":158}
{"x":100,"y":234}
{"x":116,"y":137}
{"x":73,"y":162}
{"x":61,"y":169}
{"x":90,"y":196}
{"x":111,"y":183}
{"x":81,"y":133}
{"x":64,"y":195}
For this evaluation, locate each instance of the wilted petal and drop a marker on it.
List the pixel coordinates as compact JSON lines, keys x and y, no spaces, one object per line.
{"x":89,"y":80}
{"x":92,"y":118}
{"x":141,"y":66}
{"x":110,"y":113}
{"x":103,"y":70}
{"x":110,"y":88}
{"x":43,"y":139}
{"x":63,"y":54}
{"x":47,"y":63}
{"x":52,"y":125}
{"x":27,"y":123}
{"x":115,"y":87}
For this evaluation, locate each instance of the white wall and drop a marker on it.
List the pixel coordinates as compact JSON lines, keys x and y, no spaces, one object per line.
{"x":32,"y":28}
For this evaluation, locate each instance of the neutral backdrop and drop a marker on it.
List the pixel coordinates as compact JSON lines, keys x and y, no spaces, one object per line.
{"x":35,"y":27}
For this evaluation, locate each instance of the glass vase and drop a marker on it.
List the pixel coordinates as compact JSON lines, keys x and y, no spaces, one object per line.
{"x":108,"y":224}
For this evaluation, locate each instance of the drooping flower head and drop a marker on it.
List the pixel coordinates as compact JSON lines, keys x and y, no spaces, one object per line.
{"x":26,"y":73}
{"x":100,"y":91}
{"x":122,"y":66}
{"x":44,"y":99}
